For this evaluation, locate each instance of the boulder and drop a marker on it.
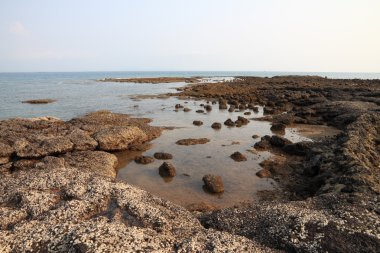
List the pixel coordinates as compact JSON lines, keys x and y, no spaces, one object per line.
{"x":167,"y":170}
{"x":213,"y":183}
{"x":278,"y":141}
{"x":264,"y":173}
{"x":119,"y":138}
{"x":278,"y":127}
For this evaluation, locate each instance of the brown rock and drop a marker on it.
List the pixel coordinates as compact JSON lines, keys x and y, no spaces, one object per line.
{"x":167,"y":170}
{"x":39,"y":101}
{"x":278,"y":127}
{"x":213,"y":183}
{"x":208,"y":107}
{"x":41,"y":146}
{"x":192,"y":141}
{"x":119,"y":138}
{"x":199,"y":111}
{"x":144,"y":159}
{"x":238,"y":157}
{"x":264,"y":173}
{"x":229,"y":123}
{"x":82,"y":140}
{"x":163,"y":156}
{"x":216,"y":125}
{"x":279,"y":141}
{"x":197,"y":123}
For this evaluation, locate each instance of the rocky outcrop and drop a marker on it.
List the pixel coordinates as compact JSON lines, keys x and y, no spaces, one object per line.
{"x":191,"y":141}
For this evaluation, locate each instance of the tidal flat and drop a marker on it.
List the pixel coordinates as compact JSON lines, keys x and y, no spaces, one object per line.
{"x":297,"y":156}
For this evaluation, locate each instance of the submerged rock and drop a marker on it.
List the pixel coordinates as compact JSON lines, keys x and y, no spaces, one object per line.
{"x":213,"y":183}
{"x":264,"y":173}
{"x":192,"y":141}
{"x":167,"y":170}
{"x":163,"y":156}
{"x":144,"y":159}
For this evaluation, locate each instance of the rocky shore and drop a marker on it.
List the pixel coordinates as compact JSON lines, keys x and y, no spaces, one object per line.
{"x":154,"y":80}
{"x":59,"y":192}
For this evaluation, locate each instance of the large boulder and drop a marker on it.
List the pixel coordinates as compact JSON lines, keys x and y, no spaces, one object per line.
{"x":213,"y":183}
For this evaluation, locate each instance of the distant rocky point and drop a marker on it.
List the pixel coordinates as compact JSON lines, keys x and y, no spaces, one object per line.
{"x":39,"y":101}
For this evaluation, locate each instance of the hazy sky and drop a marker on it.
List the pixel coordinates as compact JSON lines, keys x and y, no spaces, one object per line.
{"x":270,"y":35}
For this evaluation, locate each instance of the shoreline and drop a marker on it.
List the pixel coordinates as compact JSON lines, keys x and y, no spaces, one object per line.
{"x":331,"y":178}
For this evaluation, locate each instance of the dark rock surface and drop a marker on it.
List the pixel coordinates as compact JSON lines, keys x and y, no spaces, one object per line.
{"x":197,"y":123}
{"x":216,"y":125}
{"x":238,"y":157}
{"x":167,"y":170}
{"x":191,"y":141}
{"x":163,"y":156}
{"x":213,"y":183}
{"x":144,"y":159}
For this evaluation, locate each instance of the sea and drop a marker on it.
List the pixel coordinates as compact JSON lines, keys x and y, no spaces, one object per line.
{"x":78,"y":93}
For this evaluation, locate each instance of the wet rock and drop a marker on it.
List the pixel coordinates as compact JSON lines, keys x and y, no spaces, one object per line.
{"x":264,"y":173}
{"x":216,"y":125}
{"x":99,"y":162}
{"x":232,"y":108}
{"x":241,"y":121}
{"x":208,"y":107}
{"x":119,"y":138}
{"x":242,"y":107}
{"x":264,"y":143}
{"x":39,"y":101}
{"x":178,"y":106}
{"x":238,"y":157}
{"x":186,"y":109}
{"x":229,"y":123}
{"x":255,"y":136}
{"x":299,"y":148}
{"x":223,"y":106}
{"x":167,"y":170}
{"x":144,"y":159}
{"x":163,"y":156}
{"x":278,"y":141}
{"x":247,"y":113}
{"x":213,"y":183}
{"x":197,"y":123}
{"x":200,"y":207}
{"x":140,"y":147}
{"x":199,"y":111}
{"x":278,"y":127}
{"x":191,"y":141}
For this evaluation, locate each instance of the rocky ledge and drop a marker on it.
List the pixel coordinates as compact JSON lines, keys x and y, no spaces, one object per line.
{"x":58,"y":193}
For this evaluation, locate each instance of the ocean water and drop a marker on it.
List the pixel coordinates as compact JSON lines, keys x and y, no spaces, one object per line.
{"x":78,"y":93}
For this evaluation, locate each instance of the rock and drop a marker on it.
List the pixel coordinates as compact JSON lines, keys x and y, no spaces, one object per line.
{"x":279,"y":141}
{"x":82,"y":140}
{"x":42,"y":146}
{"x":199,"y":111}
{"x":238,"y":157}
{"x":39,"y":101}
{"x":119,"y":138}
{"x":167,"y":170}
{"x":278,"y":127}
{"x":140,"y":147}
{"x":163,"y":156}
{"x":264,"y":173}
{"x":223,"y":106}
{"x":268,"y":110}
{"x":99,"y":162}
{"x":247,"y":113}
{"x":299,"y":148}
{"x":242,"y":107}
{"x":264,"y":143}
{"x":241,"y":121}
{"x":186,"y":109}
{"x":192,"y":141}
{"x":216,"y":125}
{"x":144,"y":159}
{"x":208,"y":107}
{"x":5,"y":150}
{"x":197,"y":123}
{"x":213,"y":183}
{"x":255,"y":136}
{"x":229,"y":123}
{"x":178,"y":106}
{"x":232,"y":108}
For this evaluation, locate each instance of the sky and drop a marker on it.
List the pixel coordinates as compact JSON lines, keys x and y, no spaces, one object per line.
{"x":172,"y":35}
